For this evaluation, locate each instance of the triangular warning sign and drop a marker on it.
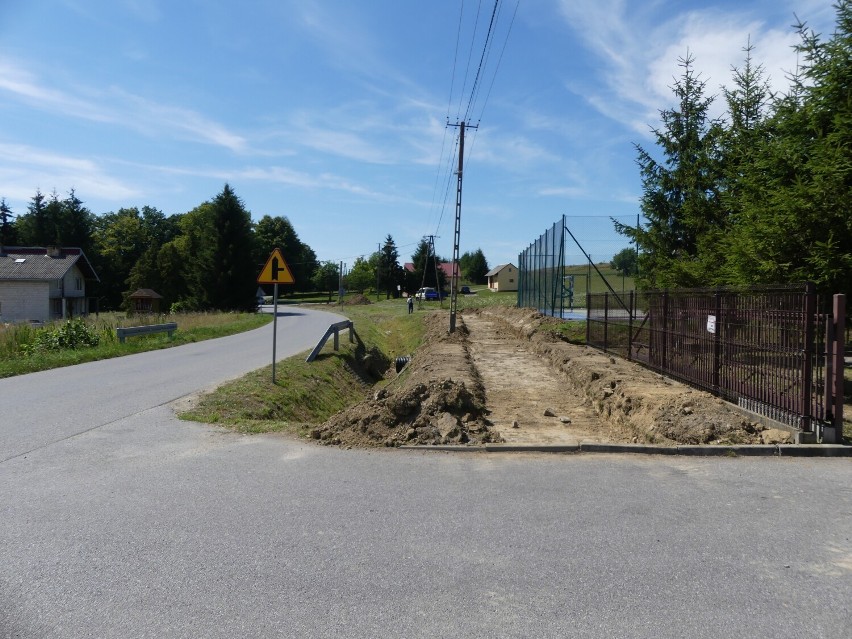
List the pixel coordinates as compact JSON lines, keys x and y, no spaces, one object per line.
{"x":276,"y":270}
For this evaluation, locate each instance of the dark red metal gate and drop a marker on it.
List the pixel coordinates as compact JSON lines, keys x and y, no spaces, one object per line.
{"x":766,"y":349}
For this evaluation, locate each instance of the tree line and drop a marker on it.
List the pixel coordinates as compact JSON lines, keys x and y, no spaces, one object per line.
{"x":763,"y":194}
{"x":207,"y":258}
{"x":381,"y":271}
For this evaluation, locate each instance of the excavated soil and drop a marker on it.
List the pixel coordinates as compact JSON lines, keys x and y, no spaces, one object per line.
{"x":503,"y":376}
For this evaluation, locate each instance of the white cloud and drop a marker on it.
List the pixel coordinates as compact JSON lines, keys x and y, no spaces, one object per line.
{"x":24,"y":169}
{"x":639,"y":45}
{"x":117,"y":107}
{"x":716,"y":42}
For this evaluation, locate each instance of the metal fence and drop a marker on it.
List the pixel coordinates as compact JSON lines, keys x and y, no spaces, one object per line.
{"x":767,"y":349}
{"x":541,"y":273}
{"x":557,"y":270}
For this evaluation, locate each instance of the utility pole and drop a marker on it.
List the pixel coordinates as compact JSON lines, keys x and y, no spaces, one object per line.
{"x":454,"y":294}
{"x":378,"y":270}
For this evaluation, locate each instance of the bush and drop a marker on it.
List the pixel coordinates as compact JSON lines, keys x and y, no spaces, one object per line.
{"x":73,"y":334}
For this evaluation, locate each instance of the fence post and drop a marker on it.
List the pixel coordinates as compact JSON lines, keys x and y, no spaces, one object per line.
{"x":717,"y":344}
{"x":630,"y":325}
{"x":808,"y":364}
{"x":664,"y":332}
{"x":588,"y":316}
{"x":834,"y":371}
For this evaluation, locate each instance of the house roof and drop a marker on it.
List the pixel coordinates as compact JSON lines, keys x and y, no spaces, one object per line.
{"x":41,"y":264}
{"x":497,"y":269}
{"x":446,"y":267}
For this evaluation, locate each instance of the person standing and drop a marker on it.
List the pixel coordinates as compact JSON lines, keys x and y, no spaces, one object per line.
{"x":410,"y":304}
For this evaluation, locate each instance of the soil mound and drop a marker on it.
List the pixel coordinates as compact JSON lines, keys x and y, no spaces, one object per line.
{"x":436,"y":399}
{"x":356,"y":300}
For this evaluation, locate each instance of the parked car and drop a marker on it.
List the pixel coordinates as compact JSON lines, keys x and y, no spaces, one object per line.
{"x":465,"y":290}
{"x":429,"y":293}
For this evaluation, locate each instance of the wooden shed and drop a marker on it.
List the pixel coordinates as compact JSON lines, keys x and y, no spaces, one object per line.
{"x":145,"y":300}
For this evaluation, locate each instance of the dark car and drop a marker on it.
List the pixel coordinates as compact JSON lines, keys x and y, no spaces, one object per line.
{"x":465,"y":290}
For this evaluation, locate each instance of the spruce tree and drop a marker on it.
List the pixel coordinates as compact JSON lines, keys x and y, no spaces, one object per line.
{"x":390,"y":272}
{"x":8,"y":234}
{"x":35,"y":228}
{"x":794,"y":224}
{"x":680,"y":199}
{"x":234,"y":274}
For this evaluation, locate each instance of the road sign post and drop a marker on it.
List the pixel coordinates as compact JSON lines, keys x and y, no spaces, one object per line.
{"x":275,"y":272}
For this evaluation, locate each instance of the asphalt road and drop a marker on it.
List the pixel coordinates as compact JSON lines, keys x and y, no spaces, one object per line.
{"x":42,"y":408}
{"x":125,"y":522}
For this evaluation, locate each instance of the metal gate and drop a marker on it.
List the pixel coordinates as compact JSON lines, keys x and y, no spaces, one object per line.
{"x":767,"y":349}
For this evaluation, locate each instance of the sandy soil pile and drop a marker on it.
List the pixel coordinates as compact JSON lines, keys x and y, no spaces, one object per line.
{"x":436,"y":399}
{"x":356,"y":300}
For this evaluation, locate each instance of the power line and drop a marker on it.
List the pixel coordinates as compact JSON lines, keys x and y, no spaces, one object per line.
{"x":482,"y":58}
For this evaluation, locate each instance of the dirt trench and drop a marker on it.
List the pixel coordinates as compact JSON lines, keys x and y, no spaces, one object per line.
{"x":505,"y":376}
{"x":527,"y":400}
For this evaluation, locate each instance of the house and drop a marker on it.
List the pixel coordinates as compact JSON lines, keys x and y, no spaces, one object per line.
{"x":43,"y":284}
{"x":445,"y":267}
{"x":145,"y":300}
{"x":503,"y":278}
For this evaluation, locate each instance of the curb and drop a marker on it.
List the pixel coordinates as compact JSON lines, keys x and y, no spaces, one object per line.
{"x":772,"y":450}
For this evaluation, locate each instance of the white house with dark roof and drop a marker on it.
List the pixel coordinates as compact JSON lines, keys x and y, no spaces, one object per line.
{"x":43,"y":284}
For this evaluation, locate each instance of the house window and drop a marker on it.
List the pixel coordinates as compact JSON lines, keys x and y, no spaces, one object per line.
{"x":511,"y":280}
{"x":78,"y":281}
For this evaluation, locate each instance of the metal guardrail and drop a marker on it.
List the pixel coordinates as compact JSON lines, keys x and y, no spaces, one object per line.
{"x":334,"y":329}
{"x":129,"y":331}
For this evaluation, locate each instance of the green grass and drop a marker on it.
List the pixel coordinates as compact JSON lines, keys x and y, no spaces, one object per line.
{"x":16,"y":358}
{"x":485,"y":298}
{"x":305,"y":394}
{"x":594,"y":283}
{"x":573,"y":331}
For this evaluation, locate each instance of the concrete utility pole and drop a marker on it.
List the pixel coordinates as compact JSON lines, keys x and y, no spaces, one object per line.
{"x":457,"y":233}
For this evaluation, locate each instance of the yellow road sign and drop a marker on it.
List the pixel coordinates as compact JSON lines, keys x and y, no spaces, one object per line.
{"x":276,"y":270}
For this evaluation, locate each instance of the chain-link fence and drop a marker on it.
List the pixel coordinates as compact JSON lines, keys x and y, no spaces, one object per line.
{"x":572,"y":258}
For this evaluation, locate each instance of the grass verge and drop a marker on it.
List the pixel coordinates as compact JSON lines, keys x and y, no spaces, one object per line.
{"x":17,"y":357}
{"x":307,"y":394}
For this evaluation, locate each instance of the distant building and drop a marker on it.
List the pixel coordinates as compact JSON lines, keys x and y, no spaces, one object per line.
{"x":43,"y":284}
{"x":145,"y":300}
{"x":503,"y":278}
{"x":445,"y":267}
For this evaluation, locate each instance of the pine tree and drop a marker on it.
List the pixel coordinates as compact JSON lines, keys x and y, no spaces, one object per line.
{"x":35,"y":228}
{"x":390,"y":272}
{"x":680,"y":194}
{"x":474,"y":266}
{"x":794,"y":224}
{"x":74,"y":223}
{"x":234,"y":275}
{"x":8,"y":234}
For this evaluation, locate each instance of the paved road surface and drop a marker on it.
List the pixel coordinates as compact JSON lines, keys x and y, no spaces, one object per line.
{"x":43,"y":408}
{"x":140,"y":525}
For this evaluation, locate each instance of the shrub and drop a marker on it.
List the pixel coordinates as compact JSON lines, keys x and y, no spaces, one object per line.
{"x":73,"y":334}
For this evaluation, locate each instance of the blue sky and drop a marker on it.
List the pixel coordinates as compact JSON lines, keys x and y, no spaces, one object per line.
{"x":333,"y":112}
